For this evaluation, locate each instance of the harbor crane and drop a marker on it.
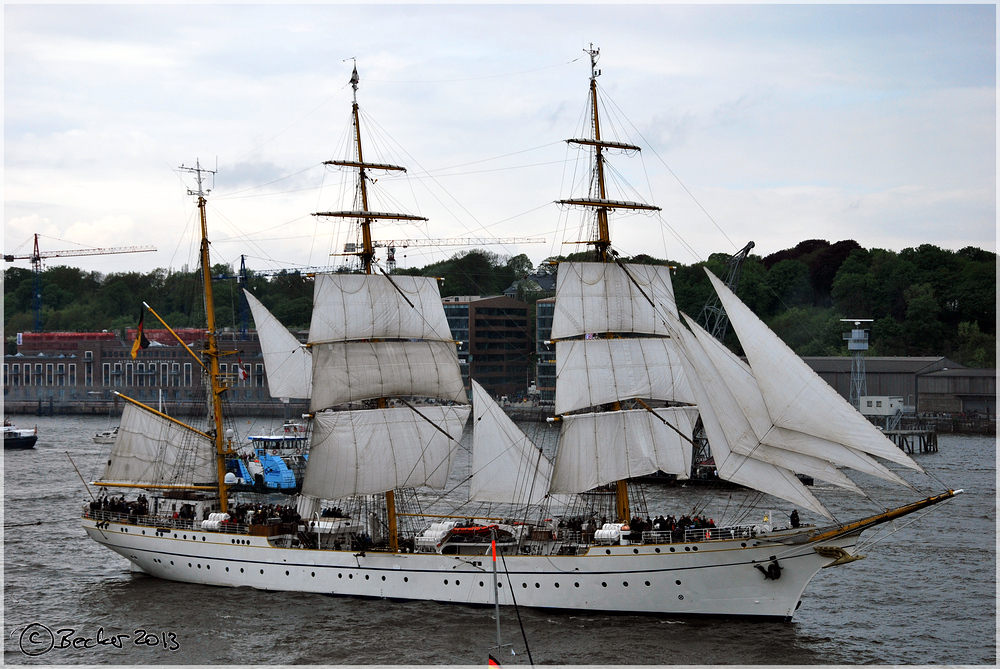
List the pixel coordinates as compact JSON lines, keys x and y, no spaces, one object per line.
{"x":392,"y":244}
{"x":37,"y":256}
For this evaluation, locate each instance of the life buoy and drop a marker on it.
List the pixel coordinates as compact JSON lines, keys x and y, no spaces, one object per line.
{"x":274,"y":451}
{"x":708,"y":535}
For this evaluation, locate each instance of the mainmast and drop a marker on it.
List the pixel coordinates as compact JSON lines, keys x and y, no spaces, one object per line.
{"x":365,"y":218}
{"x":601,"y":236}
{"x":212,"y":348}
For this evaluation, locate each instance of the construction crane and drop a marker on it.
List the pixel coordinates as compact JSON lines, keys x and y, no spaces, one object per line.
{"x":36,"y":266}
{"x":392,"y":244}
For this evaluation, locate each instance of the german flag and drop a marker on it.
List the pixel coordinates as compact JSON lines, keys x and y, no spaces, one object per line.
{"x":493,"y":662}
{"x":140,"y":336}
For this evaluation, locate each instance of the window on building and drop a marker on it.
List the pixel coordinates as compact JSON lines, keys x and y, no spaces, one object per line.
{"x":88,"y":373}
{"x":48,"y":374}
{"x":164,"y":374}
{"x":187,"y":374}
{"x":128,"y":375}
{"x":106,"y":375}
{"x":72,"y":374}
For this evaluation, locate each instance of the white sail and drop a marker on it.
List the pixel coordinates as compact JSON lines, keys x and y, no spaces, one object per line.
{"x":601,"y":297}
{"x":796,"y":397}
{"x":599,"y":448}
{"x":348,"y":371}
{"x":372,"y":451}
{"x":746,"y":399}
{"x":369,"y":306}
{"x":731,"y":466}
{"x":287,"y":362}
{"x":506,"y":465}
{"x":592,"y":372}
{"x":157,"y":451}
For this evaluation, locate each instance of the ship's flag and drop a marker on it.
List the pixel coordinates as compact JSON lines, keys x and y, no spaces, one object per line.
{"x":243,"y":373}
{"x":140,"y":336}
{"x":493,"y":662}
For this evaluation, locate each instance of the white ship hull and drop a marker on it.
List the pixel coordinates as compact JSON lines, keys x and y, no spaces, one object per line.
{"x":712,"y":578}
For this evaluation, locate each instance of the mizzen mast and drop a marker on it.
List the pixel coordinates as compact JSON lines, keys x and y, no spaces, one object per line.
{"x":212,"y":347}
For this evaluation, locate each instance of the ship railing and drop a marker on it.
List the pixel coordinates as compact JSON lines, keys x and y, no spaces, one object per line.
{"x":160,"y":522}
{"x":692,"y":535}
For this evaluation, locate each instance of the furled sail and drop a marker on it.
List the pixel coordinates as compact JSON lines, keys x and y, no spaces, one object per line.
{"x":598,"y":448}
{"x":602,"y":297}
{"x":592,"y":372}
{"x":154,"y":450}
{"x":506,"y":465}
{"x":371,"y":451}
{"x":348,"y":371}
{"x":350,"y":307}
{"x":287,"y":362}
{"x":796,"y":397}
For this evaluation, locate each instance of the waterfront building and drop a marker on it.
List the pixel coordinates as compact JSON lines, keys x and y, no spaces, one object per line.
{"x":494,"y":342}
{"x":545,"y":365}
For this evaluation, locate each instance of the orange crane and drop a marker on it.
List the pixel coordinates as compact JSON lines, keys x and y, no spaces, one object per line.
{"x":36,"y":266}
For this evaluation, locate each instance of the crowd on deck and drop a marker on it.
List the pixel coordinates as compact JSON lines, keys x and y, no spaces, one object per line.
{"x":140,"y":507}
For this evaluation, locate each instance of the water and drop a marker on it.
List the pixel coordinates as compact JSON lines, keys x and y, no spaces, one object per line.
{"x":925,"y":595}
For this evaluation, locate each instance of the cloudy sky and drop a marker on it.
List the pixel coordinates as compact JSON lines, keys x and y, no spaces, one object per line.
{"x":767,"y":123}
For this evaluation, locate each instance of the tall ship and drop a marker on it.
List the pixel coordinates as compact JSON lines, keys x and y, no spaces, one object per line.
{"x":376,"y":517}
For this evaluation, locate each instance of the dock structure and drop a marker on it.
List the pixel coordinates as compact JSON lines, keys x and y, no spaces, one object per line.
{"x":914,"y":441}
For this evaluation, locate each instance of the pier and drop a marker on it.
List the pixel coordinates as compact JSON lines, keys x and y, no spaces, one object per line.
{"x":914,"y":441}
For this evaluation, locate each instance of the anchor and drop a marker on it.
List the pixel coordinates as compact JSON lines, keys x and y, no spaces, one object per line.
{"x":773,"y":570}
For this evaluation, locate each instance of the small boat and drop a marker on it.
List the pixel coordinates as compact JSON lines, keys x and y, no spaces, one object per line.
{"x":18,"y":438}
{"x":106,"y":436}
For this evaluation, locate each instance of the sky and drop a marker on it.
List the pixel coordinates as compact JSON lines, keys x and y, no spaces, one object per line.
{"x":774,"y":123}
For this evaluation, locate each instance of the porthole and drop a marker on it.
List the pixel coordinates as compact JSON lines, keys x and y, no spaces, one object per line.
{"x":185,"y":536}
{"x":537,"y":585}
{"x":406,"y":579}
{"x":189,"y":564}
{"x":208,"y":566}
{"x":175,"y":535}
{"x":657,"y":550}
{"x":647,"y":584}
{"x":366,"y":577}
{"x":383,"y":578}
{"x":227,"y":569}
{"x":672,"y":549}
{"x":500,"y":585}
{"x":480,"y":584}
{"x":350,"y":576}
{"x":286,"y":573}
{"x":677,"y":582}
{"x":604,"y":585}
{"x":241,"y":570}
{"x":608,"y":551}
{"x":524,"y":585}
{"x":557,"y":585}
{"x":680,"y":596}
{"x":171,"y":562}
{"x":203,"y":538}
{"x":261,"y":571}
{"x":446,"y":581}
{"x":687,"y":548}
{"x":199,"y":565}
{"x":576,"y":585}
{"x":457,"y":582}
{"x":144,"y":531}
{"x":233,"y":540}
{"x":340,"y":576}
{"x":635,"y":550}
{"x":625,"y":583}
{"x":743,"y":544}
{"x":694,"y":548}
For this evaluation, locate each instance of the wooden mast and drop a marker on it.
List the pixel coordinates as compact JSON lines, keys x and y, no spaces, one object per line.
{"x":601,"y":241}
{"x":212,"y":348}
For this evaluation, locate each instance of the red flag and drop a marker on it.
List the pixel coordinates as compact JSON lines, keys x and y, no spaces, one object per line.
{"x":493,"y":662}
{"x":140,"y":337}
{"x":244,"y":374}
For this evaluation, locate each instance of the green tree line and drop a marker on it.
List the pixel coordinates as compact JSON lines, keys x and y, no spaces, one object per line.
{"x":924,"y":301}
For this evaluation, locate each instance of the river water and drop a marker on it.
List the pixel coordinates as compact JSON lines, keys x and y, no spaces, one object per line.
{"x":925,"y":595}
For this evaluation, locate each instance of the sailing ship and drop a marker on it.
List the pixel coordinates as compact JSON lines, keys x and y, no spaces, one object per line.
{"x":634,"y":377}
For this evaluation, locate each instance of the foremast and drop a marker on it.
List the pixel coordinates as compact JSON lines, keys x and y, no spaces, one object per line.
{"x":601,"y":233}
{"x":212,"y":348}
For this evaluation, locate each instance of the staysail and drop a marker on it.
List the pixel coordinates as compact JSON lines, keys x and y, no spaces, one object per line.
{"x":287,"y":362}
{"x":506,"y":465}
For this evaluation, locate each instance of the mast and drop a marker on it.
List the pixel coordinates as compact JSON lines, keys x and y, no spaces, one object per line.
{"x":212,"y":348}
{"x":601,"y":235}
{"x":367,"y":252}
